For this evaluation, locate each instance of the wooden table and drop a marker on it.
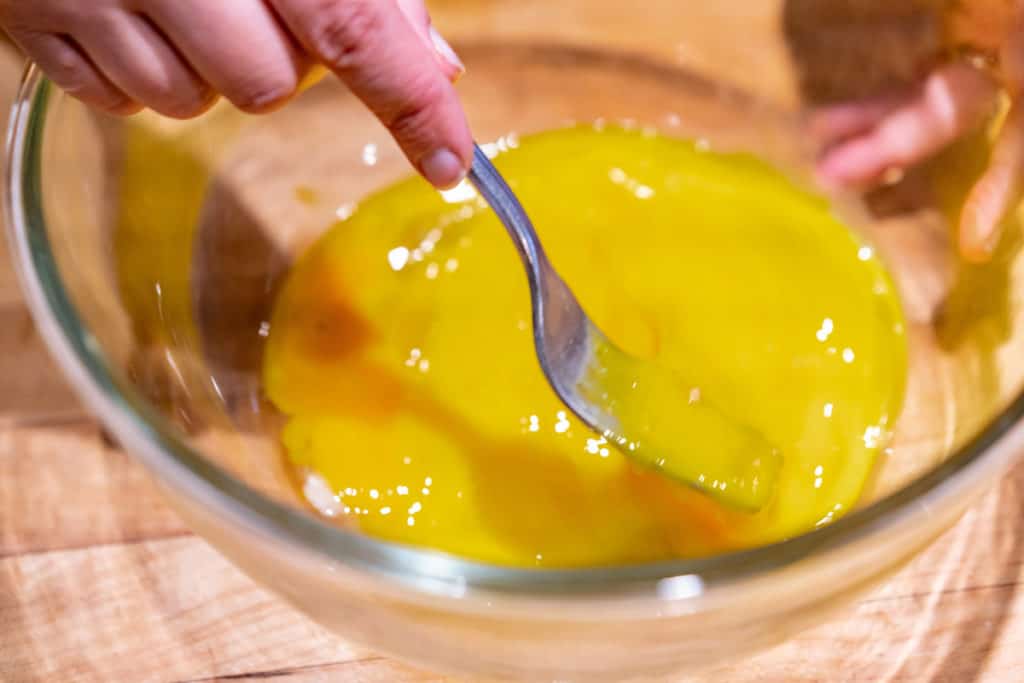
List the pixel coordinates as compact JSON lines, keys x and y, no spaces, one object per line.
{"x":100,"y":581}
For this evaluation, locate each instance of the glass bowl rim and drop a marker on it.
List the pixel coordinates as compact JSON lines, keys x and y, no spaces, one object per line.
{"x":152,"y":440}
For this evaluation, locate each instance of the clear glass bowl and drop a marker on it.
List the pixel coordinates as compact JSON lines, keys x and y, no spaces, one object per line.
{"x":150,"y":251}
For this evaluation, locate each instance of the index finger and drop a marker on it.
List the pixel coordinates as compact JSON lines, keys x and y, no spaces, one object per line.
{"x":372,"y":46}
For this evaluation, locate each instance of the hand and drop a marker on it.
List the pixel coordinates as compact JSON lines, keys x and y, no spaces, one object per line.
{"x":864,"y":140}
{"x":177,"y":56}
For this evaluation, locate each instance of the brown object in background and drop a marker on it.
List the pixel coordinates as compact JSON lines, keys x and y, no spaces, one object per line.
{"x":849,"y":49}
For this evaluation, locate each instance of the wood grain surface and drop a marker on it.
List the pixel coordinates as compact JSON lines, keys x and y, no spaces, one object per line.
{"x":100,"y":581}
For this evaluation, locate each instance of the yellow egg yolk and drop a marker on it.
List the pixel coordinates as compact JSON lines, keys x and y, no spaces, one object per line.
{"x":401,"y":354}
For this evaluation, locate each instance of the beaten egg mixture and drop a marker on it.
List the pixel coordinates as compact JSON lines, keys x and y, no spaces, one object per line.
{"x":401,"y":354}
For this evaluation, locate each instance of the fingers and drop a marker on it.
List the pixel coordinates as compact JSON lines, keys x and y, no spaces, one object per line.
{"x":136,"y":58}
{"x":372,"y":46}
{"x":175,"y":54}
{"x":240,"y":48}
{"x":837,"y":122}
{"x":997,"y":192}
{"x":67,"y":66}
{"x":952,"y":101}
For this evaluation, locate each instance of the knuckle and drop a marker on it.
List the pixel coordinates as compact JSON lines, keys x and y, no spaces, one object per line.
{"x":411,"y":119}
{"x":341,"y":32}
{"x":266,"y":93}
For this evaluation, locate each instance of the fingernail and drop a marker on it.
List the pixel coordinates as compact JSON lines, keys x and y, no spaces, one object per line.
{"x":442,"y":169}
{"x":446,"y":52}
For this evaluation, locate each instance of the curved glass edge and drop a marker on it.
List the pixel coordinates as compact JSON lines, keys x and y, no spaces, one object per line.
{"x":152,"y":440}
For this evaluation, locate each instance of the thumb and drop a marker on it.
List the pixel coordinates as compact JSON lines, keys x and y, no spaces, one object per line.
{"x":380,"y":52}
{"x":999,"y":190}
{"x":997,"y":193}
